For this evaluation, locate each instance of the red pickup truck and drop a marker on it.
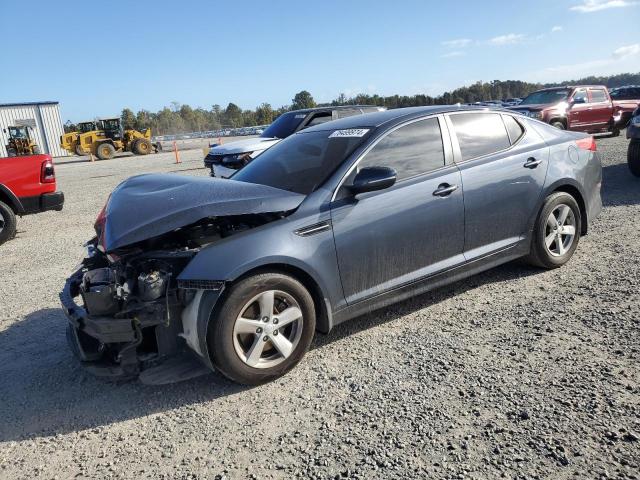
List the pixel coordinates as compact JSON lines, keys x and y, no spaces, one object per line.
{"x":584,"y":108}
{"x":625,"y":100}
{"x":27,"y":185}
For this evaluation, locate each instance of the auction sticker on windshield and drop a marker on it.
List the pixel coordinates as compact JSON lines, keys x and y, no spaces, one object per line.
{"x":351,"y":132}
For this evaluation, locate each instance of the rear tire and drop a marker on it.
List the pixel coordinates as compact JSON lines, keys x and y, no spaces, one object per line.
{"x":7,"y":223}
{"x":105,"y":151}
{"x":554,"y":243}
{"x":633,"y":157}
{"x":141,"y":146}
{"x":79,"y":151}
{"x":231,"y":346}
{"x":559,"y":125}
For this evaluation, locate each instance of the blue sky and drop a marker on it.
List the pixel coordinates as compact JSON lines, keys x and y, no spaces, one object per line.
{"x":146,"y":54}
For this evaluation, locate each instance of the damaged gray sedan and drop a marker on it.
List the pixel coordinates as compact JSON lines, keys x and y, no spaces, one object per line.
{"x":332,"y":222}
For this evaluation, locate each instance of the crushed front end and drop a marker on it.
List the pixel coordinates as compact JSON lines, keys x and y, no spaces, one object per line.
{"x":130,"y":312}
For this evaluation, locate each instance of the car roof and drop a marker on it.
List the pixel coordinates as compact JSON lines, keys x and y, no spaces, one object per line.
{"x":377,"y":119}
{"x":331,"y":107}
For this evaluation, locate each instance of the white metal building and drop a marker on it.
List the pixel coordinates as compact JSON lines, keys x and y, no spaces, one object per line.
{"x":43,"y":117}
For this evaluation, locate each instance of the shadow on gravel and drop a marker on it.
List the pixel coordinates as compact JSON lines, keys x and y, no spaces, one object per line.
{"x":502,"y":273}
{"x":45,"y":392}
{"x":619,"y":186}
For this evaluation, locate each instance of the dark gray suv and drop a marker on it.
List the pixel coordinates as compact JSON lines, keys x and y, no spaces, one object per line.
{"x":334,"y":221}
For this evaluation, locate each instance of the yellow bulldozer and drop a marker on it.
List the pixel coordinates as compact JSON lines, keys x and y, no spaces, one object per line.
{"x":71,"y":141}
{"x":21,"y":142}
{"x":111,"y":138}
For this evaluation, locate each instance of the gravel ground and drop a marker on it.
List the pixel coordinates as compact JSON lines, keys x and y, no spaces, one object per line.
{"x":515,"y":373}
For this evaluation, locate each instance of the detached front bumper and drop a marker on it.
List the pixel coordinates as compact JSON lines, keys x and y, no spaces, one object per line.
{"x":89,"y":336}
{"x":148,"y":348}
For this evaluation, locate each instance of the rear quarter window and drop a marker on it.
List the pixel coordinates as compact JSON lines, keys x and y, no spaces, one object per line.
{"x":479,"y":134}
{"x":514,"y":129}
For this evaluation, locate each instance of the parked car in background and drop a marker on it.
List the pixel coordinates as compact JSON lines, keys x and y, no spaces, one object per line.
{"x":625,"y":99}
{"x":334,"y":221}
{"x":633,"y":134}
{"x":511,"y":102}
{"x":584,"y":108}
{"x":27,"y":186}
{"x":224,"y":160}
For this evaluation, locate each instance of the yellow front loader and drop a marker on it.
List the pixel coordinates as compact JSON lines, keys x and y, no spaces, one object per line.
{"x":112,"y":138}
{"x":21,"y":142}
{"x":71,"y":141}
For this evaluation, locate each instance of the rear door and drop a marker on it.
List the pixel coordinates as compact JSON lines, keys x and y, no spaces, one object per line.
{"x":393,"y":237}
{"x":578,"y":117}
{"x":601,"y":109}
{"x":503,"y":167}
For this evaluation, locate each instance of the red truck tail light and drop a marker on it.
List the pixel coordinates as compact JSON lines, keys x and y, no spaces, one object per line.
{"x":47,"y":173}
{"x":588,"y":143}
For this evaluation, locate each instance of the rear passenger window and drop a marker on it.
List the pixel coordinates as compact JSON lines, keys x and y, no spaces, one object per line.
{"x":598,"y":96}
{"x":410,"y":150}
{"x":514,"y":129}
{"x":480,"y":134}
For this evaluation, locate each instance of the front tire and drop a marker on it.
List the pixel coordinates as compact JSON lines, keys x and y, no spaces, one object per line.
{"x":633,"y":157}
{"x":556,"y":232}
{"x":79,"y":151}
{"x":7,"y":223}
{"x":105,"y":151}
{"x":558,"y":124}
{"x":262,"y":329}
{"x":141,"y":146}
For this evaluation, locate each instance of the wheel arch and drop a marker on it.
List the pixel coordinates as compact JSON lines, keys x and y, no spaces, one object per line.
{"x":561,"y":119}
{"x":324,"y":318}
{"x":8,"y":197}
{"x":572,"y":189}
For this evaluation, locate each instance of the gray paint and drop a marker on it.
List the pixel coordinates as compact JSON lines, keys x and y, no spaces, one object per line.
{"x":389,"y":245}
{"x":145,"y":206}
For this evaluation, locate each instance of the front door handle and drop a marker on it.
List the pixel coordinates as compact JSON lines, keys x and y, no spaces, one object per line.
{"x":444,"y":189}
{"x":532,"y":163}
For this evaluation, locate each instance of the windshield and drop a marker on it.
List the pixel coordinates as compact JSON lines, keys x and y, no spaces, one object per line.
{"x":302,"y":162}
{"x":546,"y":96}
{"x":284,"y":125}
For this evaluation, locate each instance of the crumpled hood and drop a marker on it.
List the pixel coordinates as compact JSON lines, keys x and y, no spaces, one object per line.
{"x":242,"y":146}
{"x":146,"y":206}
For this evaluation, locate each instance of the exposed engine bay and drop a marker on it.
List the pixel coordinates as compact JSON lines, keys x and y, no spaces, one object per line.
{"x":132,"y":301}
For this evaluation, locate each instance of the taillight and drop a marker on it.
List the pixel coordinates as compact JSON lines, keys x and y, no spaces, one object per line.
{"x":588,"y":143}
{"x":47,"y":172}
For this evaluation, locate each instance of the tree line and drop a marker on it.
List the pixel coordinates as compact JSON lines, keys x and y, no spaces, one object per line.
{"x":179,"y":118}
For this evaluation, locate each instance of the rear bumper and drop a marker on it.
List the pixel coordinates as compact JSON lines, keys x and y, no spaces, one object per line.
{"x":42,"y":203}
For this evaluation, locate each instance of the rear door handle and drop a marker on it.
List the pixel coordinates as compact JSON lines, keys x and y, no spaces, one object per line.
{"x":444,"y":189}
{"x":532,"y":163}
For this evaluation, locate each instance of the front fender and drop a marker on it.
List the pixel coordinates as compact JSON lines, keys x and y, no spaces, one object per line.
{"x":272,"y":245}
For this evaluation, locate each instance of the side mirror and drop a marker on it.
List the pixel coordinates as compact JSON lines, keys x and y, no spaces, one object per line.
{"x":370,"y":179}
{"x":578,"y":100}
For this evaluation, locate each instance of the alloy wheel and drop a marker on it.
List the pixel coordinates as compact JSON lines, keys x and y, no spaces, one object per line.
{"x":560,"y":230}
{"x":268,"y":329}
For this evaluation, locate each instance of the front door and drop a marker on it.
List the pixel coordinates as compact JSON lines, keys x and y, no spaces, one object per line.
{"x":578,"y":115}
{"x":415,"y":228}
{"x":503,"y":169}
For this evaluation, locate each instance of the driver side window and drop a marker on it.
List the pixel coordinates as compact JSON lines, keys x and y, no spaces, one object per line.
{"x":581,"y":96}
{"x":410,"y":150}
